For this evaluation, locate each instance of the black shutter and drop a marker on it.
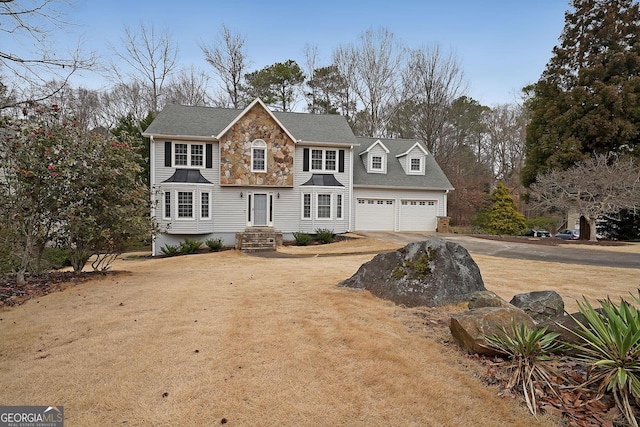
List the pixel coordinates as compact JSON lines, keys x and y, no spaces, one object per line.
{"x":209,"y":153}
{"x":305,"y":160}
{"x":167,"y":154}
{"x":341,"y":161}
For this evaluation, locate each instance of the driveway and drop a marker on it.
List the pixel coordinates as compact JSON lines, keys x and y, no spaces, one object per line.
{"x":565,"y":254}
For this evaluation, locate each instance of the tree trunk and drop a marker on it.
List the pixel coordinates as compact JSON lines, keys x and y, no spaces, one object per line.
{"x":585,"y":228}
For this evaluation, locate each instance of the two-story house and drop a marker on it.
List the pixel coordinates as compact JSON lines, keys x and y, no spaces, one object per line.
{"x":217,"y":172}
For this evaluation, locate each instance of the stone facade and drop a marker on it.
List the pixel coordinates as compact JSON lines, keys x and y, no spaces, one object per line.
{"x":235,"y":151}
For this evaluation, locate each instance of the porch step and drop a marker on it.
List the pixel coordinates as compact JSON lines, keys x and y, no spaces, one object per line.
{"x":255,"y":239}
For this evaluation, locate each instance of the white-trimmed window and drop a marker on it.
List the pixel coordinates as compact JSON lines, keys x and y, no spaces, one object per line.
{"x":306,"y":206}
{"x":316,"y":159}
{"x":322,"y":160}
{"x":258,"y":156}
{"x":167,"y":205}
{"x":416,"y":165}
{"x":187,"y":154}
{"x":330,"y":160}
{"x":323,"y":207}
{"x":185,"y":204}
{"x":376,"y":163}
{"x":339,"y":206}
{"x":205,"y":206}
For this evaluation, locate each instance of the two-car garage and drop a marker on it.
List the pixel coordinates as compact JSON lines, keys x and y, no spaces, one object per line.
{"x":386,"y":214}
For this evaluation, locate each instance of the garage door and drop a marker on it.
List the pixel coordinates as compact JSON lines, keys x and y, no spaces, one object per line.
{"x":418,"y":215}
{"x":375,"y":214}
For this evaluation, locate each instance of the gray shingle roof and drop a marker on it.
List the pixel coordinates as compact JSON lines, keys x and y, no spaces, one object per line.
{"x":180,"y":120}
{"x":433,"y":179}
{"x":188,"y":175}
{"x":324,"y":180}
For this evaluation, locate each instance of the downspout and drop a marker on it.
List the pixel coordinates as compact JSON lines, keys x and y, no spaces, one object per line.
{"x":152,"y":181}
{"x":351,"y":201}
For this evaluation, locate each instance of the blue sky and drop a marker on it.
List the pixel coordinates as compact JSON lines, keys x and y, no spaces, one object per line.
{"x":501,"y":45}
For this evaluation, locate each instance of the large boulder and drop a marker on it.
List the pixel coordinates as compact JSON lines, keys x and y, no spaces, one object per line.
{"x":430,"y":273}
{"x":470,"y":328}
{"x":540,"y":305}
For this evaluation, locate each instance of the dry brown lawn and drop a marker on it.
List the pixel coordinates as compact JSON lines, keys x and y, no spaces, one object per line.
{"x":247,"y":341}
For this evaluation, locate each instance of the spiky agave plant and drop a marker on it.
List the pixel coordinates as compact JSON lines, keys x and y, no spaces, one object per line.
{"x":610,"y":346}
{"x":529,"y":353}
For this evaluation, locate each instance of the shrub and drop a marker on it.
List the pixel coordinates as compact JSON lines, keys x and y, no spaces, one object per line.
{"x":528,"y":351}
{"x":610,"y":345}
{"x":324,"y":235}
{"x":190,"y":246}
{"x":543,"y":222}
{"x":56,"y":258}
{"x":170,"y":250}
{"x":502,"y":217}
{"x":302,"y":239}
{"x":215,"y":245}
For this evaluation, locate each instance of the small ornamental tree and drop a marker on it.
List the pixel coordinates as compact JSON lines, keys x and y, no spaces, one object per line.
{"x":503,"y":217}
{"x":59,"y":184}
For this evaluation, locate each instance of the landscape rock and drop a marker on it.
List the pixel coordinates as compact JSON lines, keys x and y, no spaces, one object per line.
{"x":540,"y":305}
{"x":486,"y":299}
{"x":430,"y":273}
{"x":470,"y":328}
{"x":568,"y":321}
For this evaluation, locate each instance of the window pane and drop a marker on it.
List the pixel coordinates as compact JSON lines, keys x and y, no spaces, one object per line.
{"x":204,"y":205}
{"x":167,"y":204}
{"x":181,"y":154}
{"x":306,"y":206}
{"x":259,"y":159}
{"x":324,"y":205}
{"x":376,"y":162}
{"x":415,"y":164}
{"x":316,"y":159}
{"x":197,"y":155}
{"x":185,"y":204}
{"x":330,"y":160}
{"x":339,"y":206}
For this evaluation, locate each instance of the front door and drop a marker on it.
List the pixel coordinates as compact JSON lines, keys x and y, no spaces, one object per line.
{"x":260,"y":210}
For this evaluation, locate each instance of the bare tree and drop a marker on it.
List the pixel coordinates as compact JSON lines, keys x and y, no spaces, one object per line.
{"x":124,"y":99}
{"x":504,"y":145}
{"x":375,"y":77}
{"x":28,"y":58}
{"x":151,"y":56}
{"x":229,"y":61}
{"x":432,"y":81}
{"x":189,"y":87}
{"x":599,"y":185}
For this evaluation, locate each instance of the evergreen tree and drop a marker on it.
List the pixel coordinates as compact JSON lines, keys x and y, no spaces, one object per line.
{"x":276,"y":84}
{"x":587,"y":101}
{"x":503,"y":217}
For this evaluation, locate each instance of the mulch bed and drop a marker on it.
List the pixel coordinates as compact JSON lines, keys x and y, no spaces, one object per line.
{"x":12,"y":294}
{"x":548,"y":241}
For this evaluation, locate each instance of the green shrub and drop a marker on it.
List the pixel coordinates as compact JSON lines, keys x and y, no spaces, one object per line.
{"x":170,"y":250}
{"x":190,"y":246}
{"x":324,"y":235}
{"x":610,"y":345}
{"x":215,"y":245}
{"x":56,"y":258}
{"x":302,"y":239}
{"x":502,"y":217}
{"x":543,"y":222}
{"x":529,"y":352}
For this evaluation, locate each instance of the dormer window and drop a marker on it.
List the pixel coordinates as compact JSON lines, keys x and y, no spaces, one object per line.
{"x":258,"y":156}
{"x":416,"y":165}
{"x":376,"y":163}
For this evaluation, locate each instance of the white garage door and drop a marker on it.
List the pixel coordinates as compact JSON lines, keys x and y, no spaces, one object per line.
{"x":418,"y":215}
{"x":375,"y":214}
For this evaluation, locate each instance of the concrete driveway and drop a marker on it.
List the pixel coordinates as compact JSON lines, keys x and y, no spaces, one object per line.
{"x":522,"y":250}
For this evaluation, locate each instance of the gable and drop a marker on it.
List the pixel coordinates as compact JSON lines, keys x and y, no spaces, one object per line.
{"x":237,"y":140}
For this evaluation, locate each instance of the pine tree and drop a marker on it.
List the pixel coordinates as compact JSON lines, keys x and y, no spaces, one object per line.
{"x":503,"y":217}
{"x":587,"y":101}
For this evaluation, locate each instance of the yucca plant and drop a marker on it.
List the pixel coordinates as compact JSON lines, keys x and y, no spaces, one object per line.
{"x":529,"y":353}
{"x":610,"y":346}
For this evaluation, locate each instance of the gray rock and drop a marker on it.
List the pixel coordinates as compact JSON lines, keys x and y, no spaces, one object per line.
{"x":540,"y":305}
{"x":470,"y":328}
{"x":486,"y":299}
{"x":431,"y":273}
